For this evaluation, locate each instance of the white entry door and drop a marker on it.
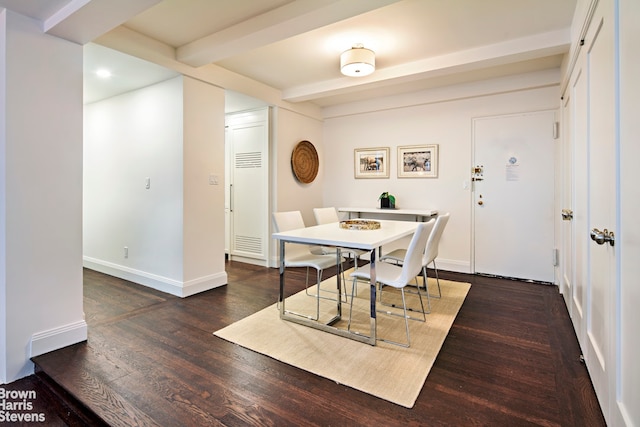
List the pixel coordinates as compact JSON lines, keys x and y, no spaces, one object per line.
{"x":513,"y":190}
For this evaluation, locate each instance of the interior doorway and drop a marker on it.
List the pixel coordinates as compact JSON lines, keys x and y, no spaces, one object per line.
{"x":247,"y":186}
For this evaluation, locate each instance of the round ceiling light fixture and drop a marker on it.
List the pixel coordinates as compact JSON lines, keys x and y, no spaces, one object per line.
{"x":357,"y":61}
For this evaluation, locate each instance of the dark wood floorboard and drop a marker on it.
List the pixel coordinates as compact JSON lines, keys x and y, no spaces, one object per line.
{"x":510,"y":359}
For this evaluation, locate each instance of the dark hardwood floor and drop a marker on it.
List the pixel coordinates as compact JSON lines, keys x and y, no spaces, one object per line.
{"x":510,"y":359}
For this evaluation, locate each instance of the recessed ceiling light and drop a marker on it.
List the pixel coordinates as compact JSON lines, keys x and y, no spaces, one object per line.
{"x":103,"y":73}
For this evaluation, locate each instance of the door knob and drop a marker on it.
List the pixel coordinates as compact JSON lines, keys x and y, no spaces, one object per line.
{"x":480,"y":202}
{"x":601,"y":237}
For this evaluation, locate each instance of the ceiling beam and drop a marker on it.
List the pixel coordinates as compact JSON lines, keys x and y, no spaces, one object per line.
{"x":278,"y":24}
{"x":82,"y":21}
{"x":511,"y":51}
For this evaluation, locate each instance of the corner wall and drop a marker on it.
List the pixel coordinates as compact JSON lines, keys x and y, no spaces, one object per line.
{"x":203,"y":202}
{"x":288,"y":193}
{"x":171,"y":134}
{"x":41,"y":220}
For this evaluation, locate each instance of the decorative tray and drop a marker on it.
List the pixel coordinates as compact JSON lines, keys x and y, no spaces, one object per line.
{"x":360,"y":224}
{"x":304,"y":162}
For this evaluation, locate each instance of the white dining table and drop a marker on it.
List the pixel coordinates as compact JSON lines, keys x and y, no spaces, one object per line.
{"x":332,"y":235}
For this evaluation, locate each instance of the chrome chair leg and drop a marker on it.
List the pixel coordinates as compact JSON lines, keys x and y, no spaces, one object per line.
{"x":306,"y":316}
{"x":405,"y":308}
{"x":306,"y":286}
{"x":406,"y":325}
{"x":421,"y":311}
{"x":354,"y":289}
{"x":437,"y":280}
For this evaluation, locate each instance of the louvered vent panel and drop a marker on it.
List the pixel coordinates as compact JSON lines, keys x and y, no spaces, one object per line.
{"x":249,"y":160}
{"x":249,"y":244}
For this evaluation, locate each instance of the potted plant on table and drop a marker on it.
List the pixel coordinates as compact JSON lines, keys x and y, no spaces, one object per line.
{"x":387,"y":201}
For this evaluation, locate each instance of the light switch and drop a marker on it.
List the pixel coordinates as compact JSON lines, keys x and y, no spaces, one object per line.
{"x":213,"y":179}
{"x":147,"y":183}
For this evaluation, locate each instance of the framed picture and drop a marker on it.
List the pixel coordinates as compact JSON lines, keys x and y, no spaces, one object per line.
{"x":371,"y":162}
{"x":418,"y":161}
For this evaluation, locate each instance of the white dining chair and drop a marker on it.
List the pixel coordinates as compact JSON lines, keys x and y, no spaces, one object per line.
{"x":330,"y":215}
{"x":298,"y":255}
{"x":398,"y":277}
{"x":430,"y":252}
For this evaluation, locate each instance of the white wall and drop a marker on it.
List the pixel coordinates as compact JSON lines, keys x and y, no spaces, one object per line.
{"x":289,"y":128}
{"x":126,"y":139}
{"x":290,"y":194}
{"x":628,"y":241}
{"x":3,"y":196}
{"x":203,"y":209}
{"x":443,"y":117}
{"x":40,"y":230}
{"x":173,"y":134}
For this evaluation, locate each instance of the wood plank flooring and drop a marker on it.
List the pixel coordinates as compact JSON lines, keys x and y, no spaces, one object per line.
{"x":510,"y":359}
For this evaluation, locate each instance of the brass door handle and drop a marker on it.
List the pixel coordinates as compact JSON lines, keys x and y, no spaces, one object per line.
{"x":567,"y":214}
{"x":602,"y":237}
{"x":480,"y":202}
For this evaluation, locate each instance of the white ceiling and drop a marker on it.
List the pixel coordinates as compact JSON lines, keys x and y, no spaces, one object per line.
{"x":294,"y":45}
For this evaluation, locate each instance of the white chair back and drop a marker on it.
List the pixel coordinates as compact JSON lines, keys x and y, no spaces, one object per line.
{"x":431,"y":251}
{"x":325,"y":215}
{"x":412,"y":265}
{"x":287,"y":221}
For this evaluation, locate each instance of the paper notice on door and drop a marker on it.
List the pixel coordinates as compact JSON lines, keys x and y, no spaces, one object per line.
{"x":513,"y":172}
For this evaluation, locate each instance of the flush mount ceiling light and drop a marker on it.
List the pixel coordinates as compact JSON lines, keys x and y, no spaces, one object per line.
{"x":357,"y":61}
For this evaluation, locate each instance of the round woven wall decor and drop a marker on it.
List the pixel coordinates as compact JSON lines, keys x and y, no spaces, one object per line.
{"x":304,"y":162}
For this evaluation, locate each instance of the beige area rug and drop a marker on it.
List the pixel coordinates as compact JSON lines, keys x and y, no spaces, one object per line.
{"x":387,"y":371}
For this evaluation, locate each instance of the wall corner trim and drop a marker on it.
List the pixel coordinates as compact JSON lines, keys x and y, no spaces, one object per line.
{"x":56,"y":338}
{"x":202,"y":284}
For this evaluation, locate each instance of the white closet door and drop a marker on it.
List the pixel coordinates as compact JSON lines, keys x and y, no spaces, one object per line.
{"x":248,"y":141}
{"x":599,"y":66}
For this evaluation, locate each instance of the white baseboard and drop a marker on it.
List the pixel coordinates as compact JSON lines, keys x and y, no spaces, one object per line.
{"x":246,"y":260}
{"x":453,"y":265}
{"x":163,"y":284}
{"x":54,"y":339}
{"x":205,"y":283}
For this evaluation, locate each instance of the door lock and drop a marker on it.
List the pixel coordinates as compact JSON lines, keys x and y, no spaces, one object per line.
{"x":477,"y":173}
{"x":602,"y":237}
{"x":567,"y":214}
